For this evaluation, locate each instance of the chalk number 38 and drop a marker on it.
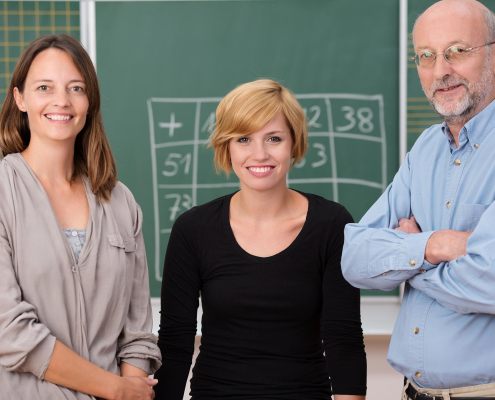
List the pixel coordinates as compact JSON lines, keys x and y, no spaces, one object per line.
{"x":364,"y":116}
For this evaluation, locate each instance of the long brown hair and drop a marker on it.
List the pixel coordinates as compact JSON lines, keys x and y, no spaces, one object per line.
{"x":92,"y":154}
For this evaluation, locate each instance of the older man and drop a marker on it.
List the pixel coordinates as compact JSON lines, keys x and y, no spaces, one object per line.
{"x":434,"y":227}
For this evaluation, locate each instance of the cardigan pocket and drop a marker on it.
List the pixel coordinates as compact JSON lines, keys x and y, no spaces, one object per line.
{"x":123,"y":260}
{"x":126,"y":243}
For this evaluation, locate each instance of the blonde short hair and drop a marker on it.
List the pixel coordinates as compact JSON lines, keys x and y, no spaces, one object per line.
{"x":247,"y":109}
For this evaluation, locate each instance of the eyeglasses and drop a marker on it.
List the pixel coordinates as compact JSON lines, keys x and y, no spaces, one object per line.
{"x":453,"y":54}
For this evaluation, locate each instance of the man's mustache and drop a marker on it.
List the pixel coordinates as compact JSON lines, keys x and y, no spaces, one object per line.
{"x":447,"y":82}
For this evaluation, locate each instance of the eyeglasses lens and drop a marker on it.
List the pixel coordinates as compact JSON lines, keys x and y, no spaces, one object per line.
{"x":425,"y":60}
{"x":453,"y":54}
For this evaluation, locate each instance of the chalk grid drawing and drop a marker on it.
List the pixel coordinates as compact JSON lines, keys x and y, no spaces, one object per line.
{"x":342,"y":127}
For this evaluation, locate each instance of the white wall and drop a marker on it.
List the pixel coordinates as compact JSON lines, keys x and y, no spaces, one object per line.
{"x":384,"y":382}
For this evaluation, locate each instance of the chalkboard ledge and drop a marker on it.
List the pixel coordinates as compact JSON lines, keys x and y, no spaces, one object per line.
{"x":378,"y":314}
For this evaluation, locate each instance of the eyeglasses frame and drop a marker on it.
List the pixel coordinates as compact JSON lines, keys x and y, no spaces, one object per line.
{"x":452,"y":62}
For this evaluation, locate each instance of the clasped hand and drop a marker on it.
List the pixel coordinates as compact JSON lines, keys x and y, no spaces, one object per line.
{"x":136,"y":388}
{"x":442,"y":246}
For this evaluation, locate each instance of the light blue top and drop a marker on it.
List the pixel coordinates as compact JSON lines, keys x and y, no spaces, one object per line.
{"x":450,"y":305}
{"x":76,"y":238}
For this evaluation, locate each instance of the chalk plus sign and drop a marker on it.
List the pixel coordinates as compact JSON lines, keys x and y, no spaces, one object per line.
{"x":171,"y":125}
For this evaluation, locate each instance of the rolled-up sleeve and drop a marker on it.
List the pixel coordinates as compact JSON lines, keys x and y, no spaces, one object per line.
{"x":26,"y":345}
{"x":137,"y":343}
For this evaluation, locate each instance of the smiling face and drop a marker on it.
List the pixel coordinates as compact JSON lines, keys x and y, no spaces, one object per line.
{"x":54,"y":97}
{"x":457,"y":91}
{"x":262,"y":159}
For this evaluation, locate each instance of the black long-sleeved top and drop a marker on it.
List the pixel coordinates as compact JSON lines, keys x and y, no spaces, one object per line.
{"x":264,"y":319}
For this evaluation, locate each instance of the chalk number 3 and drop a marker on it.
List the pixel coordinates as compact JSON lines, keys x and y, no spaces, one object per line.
{"x":321,"y":153}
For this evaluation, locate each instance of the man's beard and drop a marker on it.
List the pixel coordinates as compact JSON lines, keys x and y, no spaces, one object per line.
{"x":462,"y":111}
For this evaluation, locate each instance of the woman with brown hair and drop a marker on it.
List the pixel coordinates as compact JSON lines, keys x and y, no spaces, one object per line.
{"x":75,"y":313}
{"x":267,"y":262}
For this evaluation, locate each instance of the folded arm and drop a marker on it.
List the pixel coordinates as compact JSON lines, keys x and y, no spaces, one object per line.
{"x":446,"y":246}
{"x":464,"y":279}
{"x":378,"y":256}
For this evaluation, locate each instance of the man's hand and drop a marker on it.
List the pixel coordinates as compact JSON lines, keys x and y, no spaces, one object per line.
{"x":408,"y":225}
{"x":445,"y":246}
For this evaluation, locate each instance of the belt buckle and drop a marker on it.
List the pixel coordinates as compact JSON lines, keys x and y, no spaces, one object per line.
{"x":422,"y":395}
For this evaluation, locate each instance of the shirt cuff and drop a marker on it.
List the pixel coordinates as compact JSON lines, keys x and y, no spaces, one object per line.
{"x":412,"y":253}
{"x":419,"y":281}
{"x":409,"y":256}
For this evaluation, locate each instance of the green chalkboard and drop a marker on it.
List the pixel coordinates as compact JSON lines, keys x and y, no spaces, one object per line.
{"x":420,"y":115}
{"x":23,"y":21}
{"x":164,"y":66}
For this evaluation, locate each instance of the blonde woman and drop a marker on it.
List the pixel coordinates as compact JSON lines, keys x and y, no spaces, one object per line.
{"x":279,"y":320}
{"x":75,"y":315}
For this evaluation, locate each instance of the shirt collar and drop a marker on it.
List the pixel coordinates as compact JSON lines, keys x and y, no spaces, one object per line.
{"x":449,"y":136}
{"x":476,"y":129}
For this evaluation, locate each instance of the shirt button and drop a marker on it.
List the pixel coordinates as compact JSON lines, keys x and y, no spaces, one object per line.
{"x":74,"y":233}
{"x":412,"y":263}
{"x":476,"y":146}
{"x":457,"y":162}
{"x":418,"y":374}
{"x":449,"y":204}
{"x":74,"y":268}
{"x":422,"y":271}
{"x":416,"y":331}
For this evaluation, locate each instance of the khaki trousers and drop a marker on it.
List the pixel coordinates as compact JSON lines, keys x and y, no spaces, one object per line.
{"x":487,"y":390}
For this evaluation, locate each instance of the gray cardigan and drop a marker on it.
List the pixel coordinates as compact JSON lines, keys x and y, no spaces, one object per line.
{"x":100,"y":307}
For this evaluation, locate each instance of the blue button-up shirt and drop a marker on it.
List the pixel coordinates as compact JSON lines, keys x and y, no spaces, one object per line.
{"x":445,"y":332}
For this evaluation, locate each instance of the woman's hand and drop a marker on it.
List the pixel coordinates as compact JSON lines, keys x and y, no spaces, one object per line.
{"x":348,"y":397}
{"x":135,"y":388}
{"x":68,"y":369}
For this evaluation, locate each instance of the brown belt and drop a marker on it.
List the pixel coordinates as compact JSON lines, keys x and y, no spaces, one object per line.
{"x":415,"y":395}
